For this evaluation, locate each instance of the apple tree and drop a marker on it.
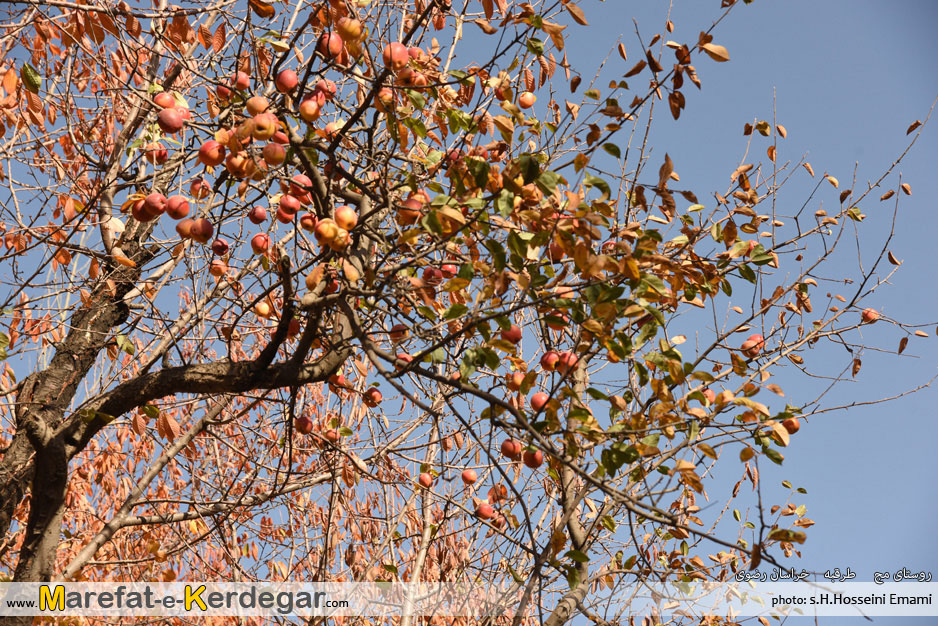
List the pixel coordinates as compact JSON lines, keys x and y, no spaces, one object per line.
{"x":382,"y":290}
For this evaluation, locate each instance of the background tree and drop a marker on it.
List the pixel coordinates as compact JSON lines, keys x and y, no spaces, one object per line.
{"x":298,"y":292}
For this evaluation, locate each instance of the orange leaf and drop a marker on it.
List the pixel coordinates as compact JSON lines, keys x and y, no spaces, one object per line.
{"x":262,"y":9}
{"x":218,"y":39}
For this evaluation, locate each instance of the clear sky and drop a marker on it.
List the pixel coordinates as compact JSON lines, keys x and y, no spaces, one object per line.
{"x":848,"y":78}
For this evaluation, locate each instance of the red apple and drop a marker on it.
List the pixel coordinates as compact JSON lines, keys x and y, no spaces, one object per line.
{"x":155,"y":153}
{"x":526,"y":100}
{"x":511,"y":449}
{"x":154,"y":204}
{"x":327,"y":89}
{"x":512,"y":334}
{"x":264,"y":127}
{"x":299,"y":186}
{"x":326,"y":231}
{"x":485,"y":511}
{"x":398,"y":333}
{"x":549,"y":360}
{"x":449,"y":270}
{"x":183,"y":227}
{"x":384,"y":99}
{"x":567,"y":362}
{"x":346,"y":217}
{"x":403,"y":359}
{"x":257,"y":104}
{"x":201,"y":230}
{"x":309,"y":110}
{"x":220,"y":247}
{"x":432,"y":276}
{"x":753,"y":346}
{"x":240,"y":81}
{"x":330,"y":45}
{"x":303,"y":425}
{"x":868,"y":316}
{"x":396,"y":56}
{"x":289,"y":204}
{"x":514,"y":380}
{"x":372,"y":397}
{"x":170,"y":121}
{"x":791,"y":425}
{"x":211,"y":153}
{"x":286,"y":81}
{"x":199,"y":189}
{"x":341,"y":241}
{"x":533,"y":458}
{"x":308,"y":222}
{"x":217,"y":268}
{"x":539,"y":401}
{"x":469,"y":476}
{"x":274,"y":154}
{"x":257,"y":215}
{"x":709,"y":394}
{"x":425,"y":480}
{"x":164,"y":100}
{"x":283,"y":217}
{"x":177,"y":207}
{"x":260,"y":243}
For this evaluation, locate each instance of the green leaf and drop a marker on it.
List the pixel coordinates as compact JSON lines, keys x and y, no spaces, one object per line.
{"x":547,"y":181}
{"x":577,"y":556}
{"x":31,"y":78}
{"x":535,"y":46}
{"x":530,"y":169}
{"x":455,"y":311}
{"x":504,"y":203}
{"x":594,"y":181}
{"x":125,"y":344}
{"x":151,"y":411}
{"x":612,"y":149}
{"x":592,"y":93}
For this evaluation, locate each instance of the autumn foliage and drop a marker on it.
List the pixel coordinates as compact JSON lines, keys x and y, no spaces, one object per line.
{"x":296,"y":292}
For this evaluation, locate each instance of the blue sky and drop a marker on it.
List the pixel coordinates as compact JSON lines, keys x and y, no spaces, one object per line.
{"x":848,"y":77}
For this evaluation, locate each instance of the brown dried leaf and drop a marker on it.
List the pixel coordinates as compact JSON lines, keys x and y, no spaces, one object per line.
{"x":621,"y":49}
{"x":808,"y":167}
{"x":906,"y":189}
{"x":638,"y":67}
{"x":715,"y":52}
{"x":577,"y":14}
{"x":892,"y":258}
{"x":529,"y":83}
{"x":914,"y":125}
{"x":921,"y":333}
{"x":574,"y":83}
{"x":487,"y":28}
{"x":833,"y":181}
{"x":204,"y":35}
{"x":771,"y":153}
{"x":133,"y":26}
{"x":902,"y":344}
{"x":488,"y":8}
{"x":857,"y":363}
{"x":781,"y":131}
{"x":218,"y":39}
{"x":887,"y":195}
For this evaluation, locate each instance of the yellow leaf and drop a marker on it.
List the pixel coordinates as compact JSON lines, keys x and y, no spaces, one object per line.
{"x":832,"y":180}
{"x":746,"y":453}
{"x":808,"y":167}
{"x":715,"y":52}
{"x":906,"y":189}
{"x":779,"y":430}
